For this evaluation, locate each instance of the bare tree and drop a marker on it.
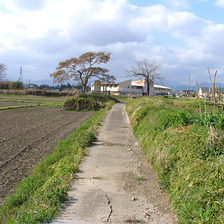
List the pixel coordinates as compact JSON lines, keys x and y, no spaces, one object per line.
{"x":2,"y":71}
{"x":147,"y":70}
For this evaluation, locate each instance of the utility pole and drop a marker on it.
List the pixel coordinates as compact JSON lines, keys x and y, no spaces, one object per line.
{"x":21,"y":74}
{"x":189,"y":83}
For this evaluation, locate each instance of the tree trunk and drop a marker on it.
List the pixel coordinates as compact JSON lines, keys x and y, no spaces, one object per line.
{"x":84,"y":89}
{"x":148,"y":86}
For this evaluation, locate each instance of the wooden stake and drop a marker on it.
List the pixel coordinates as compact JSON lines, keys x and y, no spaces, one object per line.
{"x":214,"y":89}
{"x":199,"y":99}
{"x":210,"y":82}
{"x":205,"y":105}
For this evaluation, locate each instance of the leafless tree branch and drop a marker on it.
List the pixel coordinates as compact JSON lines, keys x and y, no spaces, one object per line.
{"x":147,"y":70}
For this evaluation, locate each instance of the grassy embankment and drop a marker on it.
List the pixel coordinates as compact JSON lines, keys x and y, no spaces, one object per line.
{"x":39,"y":197}
{"x":186,"y":153}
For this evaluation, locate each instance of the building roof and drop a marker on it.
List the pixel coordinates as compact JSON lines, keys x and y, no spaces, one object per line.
{"x":161,"y":87}
{"x":138,"y":82}
{"x":141,"y":83}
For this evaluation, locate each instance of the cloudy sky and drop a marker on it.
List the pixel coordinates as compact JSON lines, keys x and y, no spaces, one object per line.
{"x":185,"y":36}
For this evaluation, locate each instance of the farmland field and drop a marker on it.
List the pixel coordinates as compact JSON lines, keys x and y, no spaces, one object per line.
{"x":29,"y":134}
{"x":21,"y":100}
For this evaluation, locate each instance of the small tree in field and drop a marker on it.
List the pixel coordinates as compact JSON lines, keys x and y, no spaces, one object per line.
{"x":147,"y":70}
{"x":16,"y":85}
{"x":83,"y":68}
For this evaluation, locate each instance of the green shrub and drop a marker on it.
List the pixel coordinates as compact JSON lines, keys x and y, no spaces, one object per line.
{"x":86,"y":102}
{"x":35,"y":92}
{"x":217,"y":121}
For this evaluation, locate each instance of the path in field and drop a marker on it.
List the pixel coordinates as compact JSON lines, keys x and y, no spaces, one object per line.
{"x":115,"y":184}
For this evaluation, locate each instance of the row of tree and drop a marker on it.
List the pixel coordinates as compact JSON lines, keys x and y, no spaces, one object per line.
{"x":87,"y":66}
{"x":11,"y":85}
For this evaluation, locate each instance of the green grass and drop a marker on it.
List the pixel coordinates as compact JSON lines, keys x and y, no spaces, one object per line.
{"x":122,"y":98}
{"x":97,"y":178}
{"x":139,"y":178}
{"x":189,"y":165}
{"x":16,"y":107}
{"x":32,"y":105}
{"x":39,"y":197}
{"x":31,"y":101}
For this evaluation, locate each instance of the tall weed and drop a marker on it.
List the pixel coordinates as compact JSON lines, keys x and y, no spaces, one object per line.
{"x":186,"y":154}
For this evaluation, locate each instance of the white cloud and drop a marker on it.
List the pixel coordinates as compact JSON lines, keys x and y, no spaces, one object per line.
{"x":178,"y":4}
{"x":41,"y":35}
{"x":220,"y":3}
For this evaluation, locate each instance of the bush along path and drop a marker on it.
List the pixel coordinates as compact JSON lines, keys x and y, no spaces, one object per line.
{"x":187,"y":153}
{"x":39,"y":197}
{"x":114,"y":183}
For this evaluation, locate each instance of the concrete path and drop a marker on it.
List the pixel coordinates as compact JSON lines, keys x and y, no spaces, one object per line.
{"x":115,"y":184}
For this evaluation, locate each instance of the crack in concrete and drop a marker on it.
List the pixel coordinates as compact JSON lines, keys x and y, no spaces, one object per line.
{"x":108,"y":202}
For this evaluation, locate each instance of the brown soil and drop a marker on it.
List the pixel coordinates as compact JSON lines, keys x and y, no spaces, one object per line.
{"x":27,"y":135}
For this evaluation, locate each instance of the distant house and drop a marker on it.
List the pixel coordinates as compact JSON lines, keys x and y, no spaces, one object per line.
{"x":205,"y":91}
{"x":122,"y":88}
{"x":187,"y":92}
{"x":129,"y":87}
{"x":161,"y":90}
{"x":32,"y":86}
{"x":156,"y":90}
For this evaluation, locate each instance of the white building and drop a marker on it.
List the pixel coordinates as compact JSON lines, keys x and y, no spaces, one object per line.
{"x":129,"y":87}
{"x":161,"y":90}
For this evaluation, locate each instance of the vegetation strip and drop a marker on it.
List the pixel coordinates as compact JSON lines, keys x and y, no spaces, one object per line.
{"x":32,"y":105}
{"x":16,"y":107}
{"x":187,"y":153}
{"x":39,"y":197}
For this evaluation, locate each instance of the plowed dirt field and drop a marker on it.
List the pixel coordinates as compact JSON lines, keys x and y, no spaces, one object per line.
{"x":27,"y":135}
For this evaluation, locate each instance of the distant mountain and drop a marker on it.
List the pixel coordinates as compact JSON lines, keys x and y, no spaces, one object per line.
{"x":40,"y":82}
{"x":176,"y":86}
{"x":206,"y":84}
{"x":46,"y":81}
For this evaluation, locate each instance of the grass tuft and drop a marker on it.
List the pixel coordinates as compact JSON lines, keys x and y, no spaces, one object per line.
{"x":139,"y":178}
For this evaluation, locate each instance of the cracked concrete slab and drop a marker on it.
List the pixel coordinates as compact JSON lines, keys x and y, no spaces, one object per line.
{"x":115,"y":183}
